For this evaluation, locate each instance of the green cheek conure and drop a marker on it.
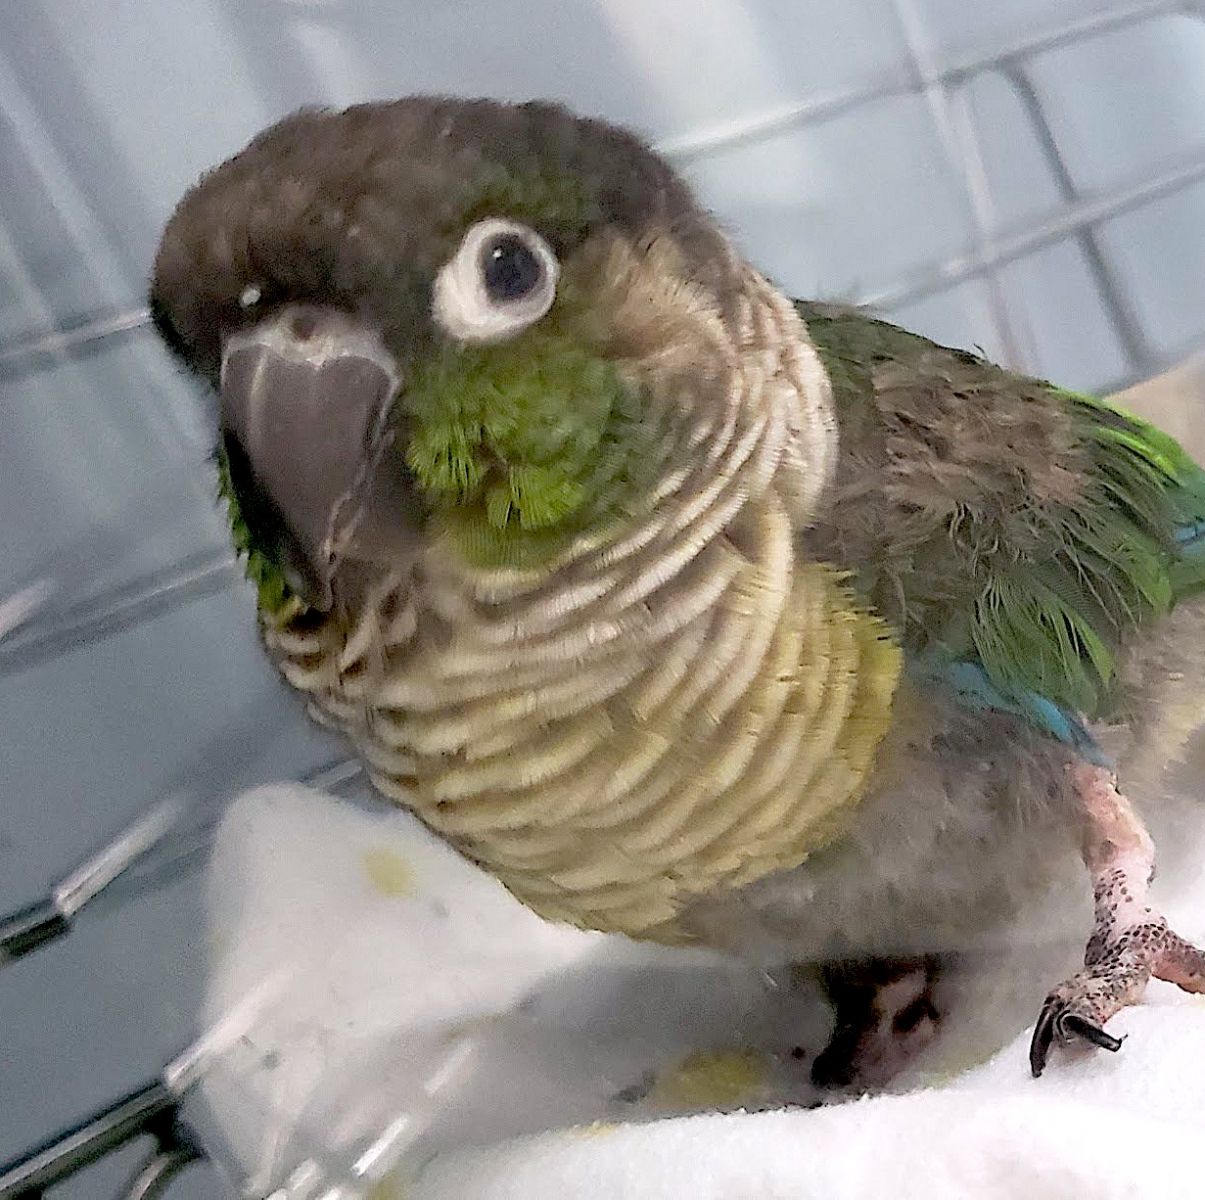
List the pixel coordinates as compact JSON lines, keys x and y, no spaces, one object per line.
{"x":687,"y":610}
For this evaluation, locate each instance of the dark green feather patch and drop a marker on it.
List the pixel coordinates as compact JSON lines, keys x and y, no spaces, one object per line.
{"x":997,"y":519}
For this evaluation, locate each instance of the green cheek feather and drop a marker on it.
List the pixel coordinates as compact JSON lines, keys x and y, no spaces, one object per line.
{"x":518,"y":446}
{"x":274,"y":597}
{"x":515,"y":449}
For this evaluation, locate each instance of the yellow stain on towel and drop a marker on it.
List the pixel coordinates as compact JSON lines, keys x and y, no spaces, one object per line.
{"x":595,"y":1129}
{"x":388,"y":872}
{"x":718,"y":1079}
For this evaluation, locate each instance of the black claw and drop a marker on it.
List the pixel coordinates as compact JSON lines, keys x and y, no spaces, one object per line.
{"x":1054,"y":1019}
{"x":1043,"y":1036}
{"x":1090,"y":1033}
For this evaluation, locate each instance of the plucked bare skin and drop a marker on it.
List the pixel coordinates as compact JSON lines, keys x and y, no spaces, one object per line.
{"x":639,"y":588}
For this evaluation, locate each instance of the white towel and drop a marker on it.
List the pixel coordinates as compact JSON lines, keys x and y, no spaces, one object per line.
{"x":429,"y":1029}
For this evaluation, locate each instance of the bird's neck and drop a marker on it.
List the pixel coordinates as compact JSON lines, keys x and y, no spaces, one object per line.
{"x":766,"y":426}
{"x":654,"y":674}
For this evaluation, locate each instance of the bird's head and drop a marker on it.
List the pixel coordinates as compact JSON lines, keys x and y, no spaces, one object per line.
{"x":449,"y":323}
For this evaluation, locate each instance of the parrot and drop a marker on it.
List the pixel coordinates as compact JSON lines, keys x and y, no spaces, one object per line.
{"x":688,"y":610}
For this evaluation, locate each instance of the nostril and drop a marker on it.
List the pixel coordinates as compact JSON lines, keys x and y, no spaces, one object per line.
{"x":305,"y":325}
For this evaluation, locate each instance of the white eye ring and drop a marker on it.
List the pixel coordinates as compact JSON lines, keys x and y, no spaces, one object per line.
{"x":471,"y":306}
{"x":250,"y":296}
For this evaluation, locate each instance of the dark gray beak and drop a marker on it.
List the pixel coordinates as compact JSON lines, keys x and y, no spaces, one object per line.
{"x":305,"y":402}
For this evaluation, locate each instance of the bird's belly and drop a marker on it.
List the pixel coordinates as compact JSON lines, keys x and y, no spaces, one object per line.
{"x":609,"y":789}
{"x":948,"y":853}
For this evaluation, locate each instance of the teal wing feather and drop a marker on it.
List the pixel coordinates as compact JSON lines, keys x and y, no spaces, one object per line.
{"x":972,"y":688}
{"x":1014,"y":587}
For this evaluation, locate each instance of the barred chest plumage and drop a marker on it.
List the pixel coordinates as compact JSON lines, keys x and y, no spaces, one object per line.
{"x":678,"y":706}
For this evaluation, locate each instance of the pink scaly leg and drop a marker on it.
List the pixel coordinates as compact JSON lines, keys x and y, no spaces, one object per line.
{"x":1130,"y":942}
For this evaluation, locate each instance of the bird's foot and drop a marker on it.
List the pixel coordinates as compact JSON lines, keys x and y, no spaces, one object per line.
{"x":1118,"y":965}
{"x":885,"y":1016}
{"x":1131,"y":941}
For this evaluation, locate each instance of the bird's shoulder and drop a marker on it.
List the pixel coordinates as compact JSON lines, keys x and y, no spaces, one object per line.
{"x":995,"y":518}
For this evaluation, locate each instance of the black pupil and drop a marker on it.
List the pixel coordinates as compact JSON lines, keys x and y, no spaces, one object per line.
{"x":510,"y":269}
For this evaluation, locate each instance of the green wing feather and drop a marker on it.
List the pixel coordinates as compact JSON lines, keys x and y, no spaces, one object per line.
{"x":999,"y":519}
{"x":1135,"y":450}
{"x":1053,"y":626}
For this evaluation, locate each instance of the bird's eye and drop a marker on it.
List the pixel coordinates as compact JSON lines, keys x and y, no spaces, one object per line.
{"x":500,"y":280}
{"x":250,"y":296}
{"x":510,"y":268}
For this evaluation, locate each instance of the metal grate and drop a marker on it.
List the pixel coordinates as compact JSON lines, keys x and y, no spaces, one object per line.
{"x":945,"y":87}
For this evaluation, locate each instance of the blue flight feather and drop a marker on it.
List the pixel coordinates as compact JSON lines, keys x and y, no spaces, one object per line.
{"x":970,"y":685}
{"x":1191,"y":537}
